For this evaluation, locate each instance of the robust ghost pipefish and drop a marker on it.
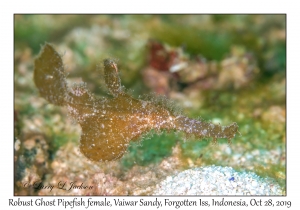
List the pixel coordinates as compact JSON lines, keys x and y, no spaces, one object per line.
{"x":110,"y":124}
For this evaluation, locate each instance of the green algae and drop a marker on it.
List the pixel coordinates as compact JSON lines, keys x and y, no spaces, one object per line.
{"x":152,"y":150}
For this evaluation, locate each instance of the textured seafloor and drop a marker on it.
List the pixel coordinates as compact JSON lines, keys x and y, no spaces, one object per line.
{"x":231,"y":80}
{"x":217,"y":180}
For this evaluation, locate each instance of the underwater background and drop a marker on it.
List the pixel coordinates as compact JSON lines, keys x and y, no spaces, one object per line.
{"x":221,"y":68}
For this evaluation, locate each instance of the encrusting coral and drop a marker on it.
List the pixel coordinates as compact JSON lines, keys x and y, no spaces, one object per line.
{"x":109,"y":124}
